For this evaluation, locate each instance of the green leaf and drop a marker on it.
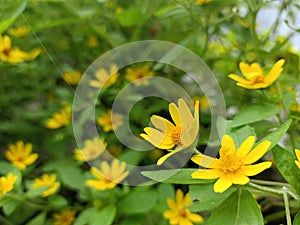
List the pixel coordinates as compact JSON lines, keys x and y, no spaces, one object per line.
{"x":297,"y":219}
{"x":164,"y":191}
{"x":38,"y":220}
{"x":239,"y":209}
{"x":239,"y":135}
{"x":138,"y":201}
{"x":6,"y":167}
{"x":284,"y":161}
{"x":253,"y":113}
{"x":203,"y":197}
{"x":174,"y":176}
{"x":129,"y":17}
{"x":10,"y":206}
{"x":57,"y":201}
{"x":84,"y":216}
{"x":106,"y":216}
{"x":132,"y":220}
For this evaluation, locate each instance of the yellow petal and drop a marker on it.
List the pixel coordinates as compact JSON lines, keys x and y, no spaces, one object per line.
{"x":254,"y":86}
{"x":223,"y":183}
{"x":165,"y":157}
{"x":162,"y":124}
{"x":207,"y":174}
{"x":297,"y":163}
{"x":195,"y":218}
{"x":240,"y":178}
{"x":227,"y":144}
{"x":251,"y":170}
{"x":246,"y":146}
{"x":257,"y":152}
{"x":174,"y":112}
{"x":31,"y":159}
{"x":239,"y":79}
{"x":250,"y":70}
{"x":275,"y":71}
{"x":179,"y":197}
{"x":297,"y":151}
{"x":205,"y":161}
{"x":185,"y":113}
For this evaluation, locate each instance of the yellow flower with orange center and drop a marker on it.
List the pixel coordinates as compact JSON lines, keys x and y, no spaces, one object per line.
{"x":15,"y":55}
{"x":19,"y":31}
{"x":178,"y":214}
{"x":167,"y":135}
{"x":7,"y":183}
{"x":92,"y":150}
{"x":254,"y":76}
{"x":234,"y":166}
{"x":108,"y":176}
{"x":110,"y":121}
{"x":19,"y":154}
{"x":135,"y":74}
{"x":46,"y":181}
{"x":66,"y":217}
{"x":72,"y":77}
{"x":59,"y":119}
{"x":104,"y":78}
{"x":297,"y":151}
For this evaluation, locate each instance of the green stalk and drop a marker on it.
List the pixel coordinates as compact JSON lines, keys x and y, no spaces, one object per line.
{"x":287,"y":207}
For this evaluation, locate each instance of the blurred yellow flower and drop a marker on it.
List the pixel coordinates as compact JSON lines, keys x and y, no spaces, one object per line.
{"x":254,"y":77}
{"x":201,"y":2}
{"x":72,"y":77}
{"x":19,"y":31}
{"x":66,"y":217}
{"x":59,"y":119}
{"x":105,"y":79}
{"x":135,"y":74}
{"x":109,"y":120}
{"x":203,"y":102}
{"x":93,"y":41}
{"x":297,"y":151}
{"x":19,"y":154}
{"x":166,"y":135}
{"x":7,"y":183}
{"x":44,"y":181}
{"x":178,"y":214}
{"x":233,"y":167}
{"x":92,"y":150}
{"x":15,"y":55}
{"x":295,"y":107}
{"x":108,"y":176}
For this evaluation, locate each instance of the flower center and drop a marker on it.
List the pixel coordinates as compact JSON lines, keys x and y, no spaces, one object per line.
{"x":230,"y":162}
{"x":6,"y":51}
{"x":258,"y":79}
{"x":183,"y":213}
{"x":175,"y":134}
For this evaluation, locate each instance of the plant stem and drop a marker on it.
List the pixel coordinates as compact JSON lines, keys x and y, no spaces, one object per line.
{"x":266,"y":189}
{"x":286,"y":205}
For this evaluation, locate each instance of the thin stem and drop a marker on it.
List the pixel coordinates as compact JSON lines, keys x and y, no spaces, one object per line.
{"x":266,"y":189}
{"x":286,"y":205}
{"x":271,"y":183}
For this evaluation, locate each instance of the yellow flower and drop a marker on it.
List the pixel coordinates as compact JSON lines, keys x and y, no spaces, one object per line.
{"x":19,"y":31}
{"x":105,"y":79}
{"x":108,"y":176}
{"x":178,"y":214}
{"x":73,"y":77}
{"x":137,"y":73}
{"x":295,"y":107}
{"x":44,"y":181}
{"x":166,"y":135}
{"x":297,"y":151}
{"x":255,"y":79}
{"x":110,"y":120}
{"x":233,"y":167}
{"x":203,"y":102}
{"x":59,"y":119}
{"x":92,"y":150}
{"x":20,"y":155}
{"x":201,"y":2}
{"x":66,"y":217}
{"x":7,"y":183}
{"x":93,"y":41}
{"x":15,"y":55}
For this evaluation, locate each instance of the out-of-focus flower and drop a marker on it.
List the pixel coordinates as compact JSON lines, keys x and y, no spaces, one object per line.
{"x":46,"y":181}
{"x":203,"y":103}
{"x":19,"y":154}
{"x":105,"y":79}
{"x":178,"y":214}
{"x":19,"y":31}
{"x":135,"y":74}
{"x":65,"y":217}
{"x":15,"y":55}
{"x":72,"y":77}
{"x":166,"y":135}
{"x":93,"y":41}
{"x":59,"y":119}
{"x":234,"y":166}
{"x":7,"y":183}
{"x":254,"y":77}
{"x":201,"y":2}
{"x":295,"y":107}
{"x":92,"y":149}
{"x":108,"y":176}
{"x":109,"y":120}
{"x":297,"y":152}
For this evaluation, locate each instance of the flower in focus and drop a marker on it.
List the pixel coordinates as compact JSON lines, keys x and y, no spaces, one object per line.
{"x":105,"y":79}
{"x":66,"y":217}
{"x":109,"y":121}
{"x":92,"y":150}
{"x":46,"y":181}
{"x":297,"y":151}
{"x":201,"y":2}
{"x":178,"y":214}
{"x":15,"y":55}
{"x":72,"y":77}
{"x":254,"y":77}
{"x":108,"y":176}
{"x":167,"y":135}
{"x":7,"y":183}
{"x":135,"y":74}
{"x":19,"y":31}
{"x":19,"y":154}
{"x":233,"y":167}
{"x":59,"y":119}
